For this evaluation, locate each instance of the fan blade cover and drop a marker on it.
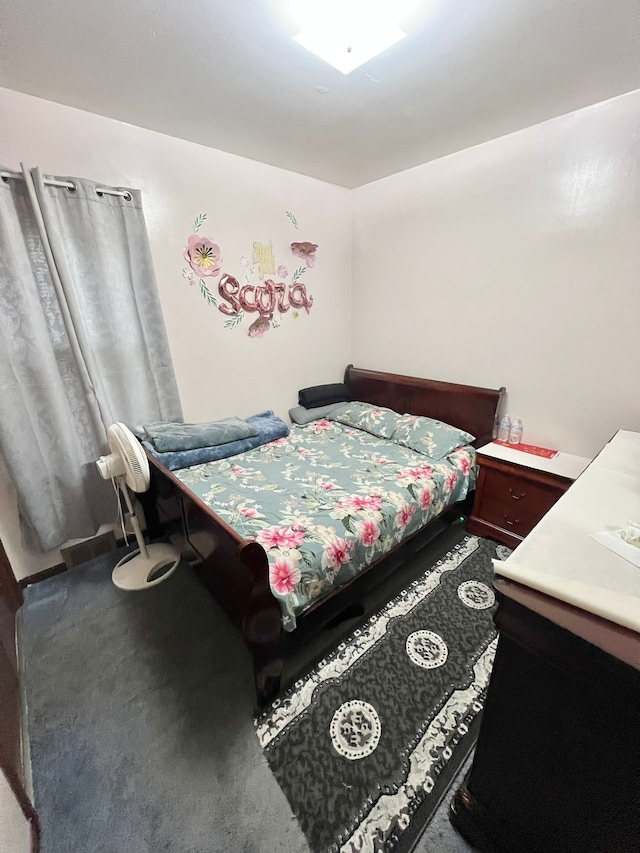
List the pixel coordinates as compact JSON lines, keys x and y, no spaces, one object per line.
{"x":136,"y":465}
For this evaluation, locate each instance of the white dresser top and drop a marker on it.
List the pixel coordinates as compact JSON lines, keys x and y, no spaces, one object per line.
{"x":564,"y":464}
{"x":561,"y":559}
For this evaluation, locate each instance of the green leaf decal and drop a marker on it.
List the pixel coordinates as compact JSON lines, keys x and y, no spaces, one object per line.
{"x":198,"y":221}
{"x":233,"y":321}
{"x":204,"y":290}
{"x":294,"y":221}
{"x":298,"y":274}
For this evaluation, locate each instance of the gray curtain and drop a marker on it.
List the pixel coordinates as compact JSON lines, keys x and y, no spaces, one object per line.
{"x":82,"y":344}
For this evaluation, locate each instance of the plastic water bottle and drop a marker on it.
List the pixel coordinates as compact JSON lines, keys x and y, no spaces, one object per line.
{"x":515,"y":435}
{"x":504,"y":430}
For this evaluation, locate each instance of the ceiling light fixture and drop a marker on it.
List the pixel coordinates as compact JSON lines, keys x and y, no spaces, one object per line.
{"x":346,"y":33}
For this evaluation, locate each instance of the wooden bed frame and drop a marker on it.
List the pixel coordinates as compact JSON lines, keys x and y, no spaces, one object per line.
{"x":236,"y":571}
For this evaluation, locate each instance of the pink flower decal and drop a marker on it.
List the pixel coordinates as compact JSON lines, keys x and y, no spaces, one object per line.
{"x":425,"y":498}
{"x":284,"y":575}
{"x":283,"y":272}
{"x":306,"y":251}
{"x":280,"y":537}
{"x":203,"y":256}
{"x":367,"y":532}
{"x":258,"y":328}
{"x":338,"y":551}
{"x":404,"y":516}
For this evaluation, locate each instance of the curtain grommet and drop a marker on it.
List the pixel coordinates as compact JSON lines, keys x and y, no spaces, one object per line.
{"x":71,"y":188}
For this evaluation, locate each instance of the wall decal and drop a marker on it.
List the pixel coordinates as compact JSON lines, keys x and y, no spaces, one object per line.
{"x":293,"y":219}
{"x":203,"y":256}
{"x":265,"y":299}
{"x":298,"y":274}
{"x":271,"y":298}
{"x":259,"y":327}
{"x":306,"y":251}
{"x":263,"y":256}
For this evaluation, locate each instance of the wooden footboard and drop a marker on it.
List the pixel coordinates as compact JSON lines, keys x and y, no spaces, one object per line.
{"x":237,"y":570}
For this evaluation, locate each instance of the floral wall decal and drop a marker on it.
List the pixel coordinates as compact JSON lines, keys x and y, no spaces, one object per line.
{"x":270,"y":299}
{"x":204,"y":259}
{"x":259,"y":327}
{"x":203,"y":256}
{"x":306,"y":251}
{"x":293,"y":219}
{"x":263,"y":256}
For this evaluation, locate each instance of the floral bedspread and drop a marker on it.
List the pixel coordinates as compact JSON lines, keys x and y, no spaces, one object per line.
{"x":327,"y":501}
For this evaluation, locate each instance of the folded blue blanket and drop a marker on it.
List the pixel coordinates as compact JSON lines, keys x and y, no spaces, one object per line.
{"x":268,"y":426}
{"x":167,"y":437}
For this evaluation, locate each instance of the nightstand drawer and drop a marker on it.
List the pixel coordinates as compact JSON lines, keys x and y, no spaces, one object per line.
{"x":515,"y":502}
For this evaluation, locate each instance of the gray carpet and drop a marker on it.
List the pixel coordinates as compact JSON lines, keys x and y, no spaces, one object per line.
{"x":139,"y":714}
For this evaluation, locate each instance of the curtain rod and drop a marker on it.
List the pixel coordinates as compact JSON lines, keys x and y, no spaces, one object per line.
{"x":7,"y":176}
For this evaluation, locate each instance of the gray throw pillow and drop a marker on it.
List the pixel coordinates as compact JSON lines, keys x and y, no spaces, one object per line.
{"x":300,"y":415}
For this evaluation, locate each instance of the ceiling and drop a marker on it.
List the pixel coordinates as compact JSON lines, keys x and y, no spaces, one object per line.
{"x":225,"y":73}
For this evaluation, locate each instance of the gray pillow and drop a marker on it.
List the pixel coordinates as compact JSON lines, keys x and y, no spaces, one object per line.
{"x":300,"y":415}
{"x":170,"y":437}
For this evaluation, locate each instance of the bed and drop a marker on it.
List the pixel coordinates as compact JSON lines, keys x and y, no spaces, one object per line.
{"x":284,"y":530}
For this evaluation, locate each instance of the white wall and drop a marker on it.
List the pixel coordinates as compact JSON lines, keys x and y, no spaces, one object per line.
{"x":514,"y":263}
{"x":220,"y":372}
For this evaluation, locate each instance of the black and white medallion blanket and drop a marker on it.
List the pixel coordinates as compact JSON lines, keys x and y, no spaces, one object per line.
{"x":366,"y":744}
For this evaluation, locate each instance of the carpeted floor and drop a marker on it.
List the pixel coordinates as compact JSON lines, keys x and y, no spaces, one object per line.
{"x":140,"y":721}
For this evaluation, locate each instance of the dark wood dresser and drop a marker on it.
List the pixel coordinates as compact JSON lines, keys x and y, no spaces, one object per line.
{"x":514,"y":491}
{"x":557,"y":762}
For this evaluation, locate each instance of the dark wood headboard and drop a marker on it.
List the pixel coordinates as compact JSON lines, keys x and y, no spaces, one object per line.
{"x":464,"y":406}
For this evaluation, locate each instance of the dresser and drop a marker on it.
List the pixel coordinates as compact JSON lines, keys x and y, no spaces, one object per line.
{"x":516,"y":489}
{"x":557,"y":762}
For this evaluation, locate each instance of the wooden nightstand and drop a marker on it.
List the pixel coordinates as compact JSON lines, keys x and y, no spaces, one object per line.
{"x":515,"y":489}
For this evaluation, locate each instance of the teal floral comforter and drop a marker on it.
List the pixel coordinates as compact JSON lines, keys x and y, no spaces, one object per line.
{"x":327,"y":501}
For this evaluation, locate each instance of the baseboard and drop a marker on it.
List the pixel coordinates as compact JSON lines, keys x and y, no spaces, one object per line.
{"x":43,"y":575}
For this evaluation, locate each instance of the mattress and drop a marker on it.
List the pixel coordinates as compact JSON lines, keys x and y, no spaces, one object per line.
{"x":327,"y":501}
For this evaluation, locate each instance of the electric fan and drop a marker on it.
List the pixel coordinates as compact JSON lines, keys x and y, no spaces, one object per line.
{"x":127,"y":466}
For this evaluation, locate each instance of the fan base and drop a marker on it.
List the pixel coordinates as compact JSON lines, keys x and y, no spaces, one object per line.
{"x":135,"y":572}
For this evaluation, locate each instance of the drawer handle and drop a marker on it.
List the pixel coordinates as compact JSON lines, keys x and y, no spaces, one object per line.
{"x":510,"y":522}
{"x":517,"y":497}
